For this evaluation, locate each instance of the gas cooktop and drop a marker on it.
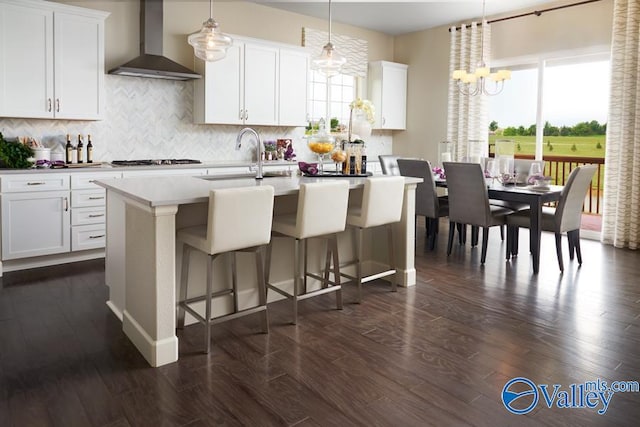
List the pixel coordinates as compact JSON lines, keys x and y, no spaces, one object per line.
{"x":155,"y":162}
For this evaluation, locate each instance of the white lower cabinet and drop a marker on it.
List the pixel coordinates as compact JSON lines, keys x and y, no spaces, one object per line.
{"x":88,"y":211}
{"x":84,"y":216}
{"x":52,"y":214}
{"x":92,"y":236}
{"x":35,"y":224}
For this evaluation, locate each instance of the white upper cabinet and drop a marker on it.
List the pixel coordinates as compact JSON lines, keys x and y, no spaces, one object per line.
{"x":260,"y":84}
{"x":78,"y":66}
{"x":293,"y":88}
{"x":218,"y":95}
{"x":250,"y":86}
{"x":51,"y":60}
{"x":388,"y":93}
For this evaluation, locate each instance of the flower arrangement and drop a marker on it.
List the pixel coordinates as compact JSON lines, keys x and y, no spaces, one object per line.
{"x":439,"y":172}
{"x":270,"y":145}
{"x":366,"y":106}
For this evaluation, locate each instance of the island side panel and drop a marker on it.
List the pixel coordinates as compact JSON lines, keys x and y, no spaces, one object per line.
{"x":149,"y":315}
{"x":115,"y":253}
{"x":404,"y":234}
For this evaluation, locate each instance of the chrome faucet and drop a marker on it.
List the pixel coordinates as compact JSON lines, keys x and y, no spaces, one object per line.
{"x":259,"y":147}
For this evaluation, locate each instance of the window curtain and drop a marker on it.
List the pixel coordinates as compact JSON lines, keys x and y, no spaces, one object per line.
{"x":355,"y":50}
{"x":467,"y":117}
{"x":621,"y":210}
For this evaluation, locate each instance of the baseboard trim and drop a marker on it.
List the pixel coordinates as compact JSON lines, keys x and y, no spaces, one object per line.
{"x":157,"y":352}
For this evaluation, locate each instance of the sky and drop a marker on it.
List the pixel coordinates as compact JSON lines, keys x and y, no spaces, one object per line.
{"x":572,"y":94}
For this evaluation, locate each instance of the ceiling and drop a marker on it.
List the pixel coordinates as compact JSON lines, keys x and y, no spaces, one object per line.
{"x":400,"y":17}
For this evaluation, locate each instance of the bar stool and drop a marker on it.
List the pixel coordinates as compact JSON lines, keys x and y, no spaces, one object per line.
{"x":239,"y":220}
{"x":321,"y":212}
{"x":382,"y":200}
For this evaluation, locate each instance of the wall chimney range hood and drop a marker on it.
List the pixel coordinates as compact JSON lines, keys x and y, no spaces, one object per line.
{"x":151,"y":63}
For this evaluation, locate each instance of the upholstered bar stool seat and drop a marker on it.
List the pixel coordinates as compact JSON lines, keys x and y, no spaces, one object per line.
{"x":321,"y":213}
{"x":381,"y":205}
{"x":239,"y":220}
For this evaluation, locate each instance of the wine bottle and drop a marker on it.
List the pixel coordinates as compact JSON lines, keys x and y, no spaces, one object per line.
{"x":363,"y":161}
{"x":69,"y":150}
{"x":80,"y":149}
{"x":89,"y":150}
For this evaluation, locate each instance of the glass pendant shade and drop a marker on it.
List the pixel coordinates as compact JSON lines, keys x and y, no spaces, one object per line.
{"x":329,"y":62}
{"x":210,"y":44}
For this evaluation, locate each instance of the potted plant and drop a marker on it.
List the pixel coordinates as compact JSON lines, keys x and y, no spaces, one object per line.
{"x":14,"y":155}
{"x":270,"y":148}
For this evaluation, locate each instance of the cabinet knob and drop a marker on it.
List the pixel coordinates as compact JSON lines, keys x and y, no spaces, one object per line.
{"x":49,"y":104}
{"x":241,"y":115}
{"x":99,"y":236}
{"x":66,"y":204}
{"x":36,"y":183}
{"x":96,"y":198}
{"x":57,"y":105}
{"x":246,"y":114}
{"x":95,"y":215}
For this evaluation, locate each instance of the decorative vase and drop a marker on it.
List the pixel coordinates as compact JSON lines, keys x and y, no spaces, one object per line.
{"x":360,"y":126}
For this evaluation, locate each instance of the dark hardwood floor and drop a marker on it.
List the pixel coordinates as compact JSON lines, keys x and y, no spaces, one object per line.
{"x":436,"y":354}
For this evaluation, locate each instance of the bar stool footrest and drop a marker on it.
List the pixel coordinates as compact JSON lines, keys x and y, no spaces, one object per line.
{"x":306,"y":295}
{"x":225,"y":317}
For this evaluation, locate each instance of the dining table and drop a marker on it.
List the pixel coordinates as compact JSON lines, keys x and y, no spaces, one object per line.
{"x":536,"y":198}
{"x":527,"y":194}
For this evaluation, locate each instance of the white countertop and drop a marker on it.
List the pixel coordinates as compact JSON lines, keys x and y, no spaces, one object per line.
{"x":177,"y":190}
{"x":108,"y":167}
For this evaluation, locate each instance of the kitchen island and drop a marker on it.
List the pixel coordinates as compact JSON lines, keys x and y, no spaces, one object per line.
{"x":142,"y":258}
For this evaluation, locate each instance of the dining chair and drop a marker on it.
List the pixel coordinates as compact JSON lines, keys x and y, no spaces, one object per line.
{"x":564,"y":218}
{"x":428,"y":204}
{"x":522,"y":168}
{"x":389,"y":164}
{"x":469,"y":202}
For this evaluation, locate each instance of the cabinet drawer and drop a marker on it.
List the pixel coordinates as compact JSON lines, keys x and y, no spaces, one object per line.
{"x":83,"y":216}
{"x":81,"y":181}
{"x":85,"y":198}
{"x":85,"y":237}
{"x":35,"y":182}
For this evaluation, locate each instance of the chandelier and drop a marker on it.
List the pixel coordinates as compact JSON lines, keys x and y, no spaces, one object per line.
{"x":210,"y":44}
{"x":329,"y":62}
{"x":477,"y":82}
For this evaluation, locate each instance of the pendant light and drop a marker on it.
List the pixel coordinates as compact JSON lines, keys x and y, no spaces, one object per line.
{"x":475,"y":83}
{"x":210,"y":44}
{"x":329,"y":62}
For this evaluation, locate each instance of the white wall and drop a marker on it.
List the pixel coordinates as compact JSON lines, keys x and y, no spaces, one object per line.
{"x":427,"y":53}
{"x":148,"y":118}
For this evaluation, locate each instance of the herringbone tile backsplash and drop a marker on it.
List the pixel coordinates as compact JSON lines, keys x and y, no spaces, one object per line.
{"x":149,"y":118}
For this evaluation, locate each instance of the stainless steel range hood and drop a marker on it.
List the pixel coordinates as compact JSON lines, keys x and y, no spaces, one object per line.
{"x":151,"y":63}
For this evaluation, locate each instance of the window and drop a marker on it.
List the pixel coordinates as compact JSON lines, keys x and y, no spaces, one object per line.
{"x":342,"y":91}
{"x":565,"y":117}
